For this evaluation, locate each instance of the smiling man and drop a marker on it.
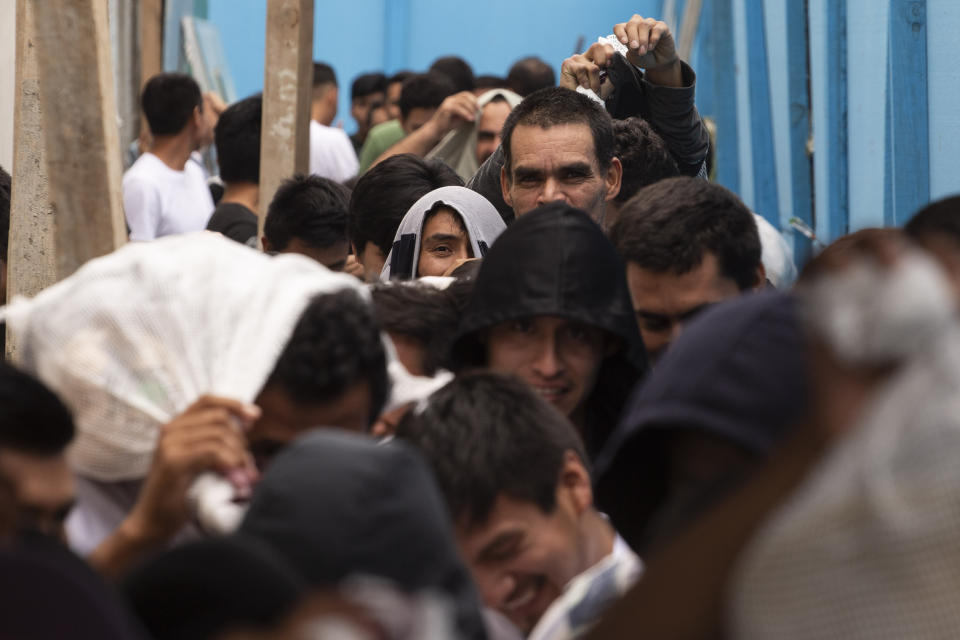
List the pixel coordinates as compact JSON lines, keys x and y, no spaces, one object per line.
{"x":515,"y":478}
{"x":566,"y":330}
{"x":687,"y":244}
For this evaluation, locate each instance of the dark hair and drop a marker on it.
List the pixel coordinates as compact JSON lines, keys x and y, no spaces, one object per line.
{"x":556,"y":106}
{"x":237,"y":137}
{"x":669,"y":226}
{"x":168,"y":101}
{"x":457,"y":70}
{"x":490,"y":82}
{"x":529,"y":75}
{"x":643,"y":154}
{"x":424,"y":91}
{"x":310,"y":208}
{"x":367,"y":83}
{"x":335,"y":345}
{"x":488,"y":435}
{"x":941,"y":217}
{"x":32,"y":418}
{"x":6,"y":195}
{"x":422,"y":313}
{"x":323,"y":74}
{"x":383,"y":195}
{"x":400,"y":76}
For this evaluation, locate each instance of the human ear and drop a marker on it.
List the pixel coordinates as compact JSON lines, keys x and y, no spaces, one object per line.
{"x":761,"y":277}
{"x":575,"y":481}
{"x":613,"y":179}
{"x":505,"y":186}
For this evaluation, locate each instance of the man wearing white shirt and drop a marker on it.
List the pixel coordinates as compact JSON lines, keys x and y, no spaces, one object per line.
{"x":163,"y":192}
{"x":513,"y":472}
{"x":331,"y":152}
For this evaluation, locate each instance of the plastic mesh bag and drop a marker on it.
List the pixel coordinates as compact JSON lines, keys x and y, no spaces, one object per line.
{"x":133,"y":338}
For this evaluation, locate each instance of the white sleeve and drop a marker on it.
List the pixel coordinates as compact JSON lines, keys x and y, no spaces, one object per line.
{"x":141,"y":204}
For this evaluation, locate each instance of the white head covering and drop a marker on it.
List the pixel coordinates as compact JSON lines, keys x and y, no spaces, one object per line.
{"x":459,"y":147}
{"x":481,"y":219}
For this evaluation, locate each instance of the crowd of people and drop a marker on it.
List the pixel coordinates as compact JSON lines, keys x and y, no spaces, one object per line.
{"x":504,"y":364}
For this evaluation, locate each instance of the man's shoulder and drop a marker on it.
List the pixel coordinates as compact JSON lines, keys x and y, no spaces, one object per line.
{"x":146,"y":169}
{"x":387,"y":129}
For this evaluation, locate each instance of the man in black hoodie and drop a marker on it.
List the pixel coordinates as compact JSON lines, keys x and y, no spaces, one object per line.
{"x":551,"y":306}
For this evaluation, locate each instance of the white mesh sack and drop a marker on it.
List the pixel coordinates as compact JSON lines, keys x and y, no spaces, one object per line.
{"x":133,"y":338}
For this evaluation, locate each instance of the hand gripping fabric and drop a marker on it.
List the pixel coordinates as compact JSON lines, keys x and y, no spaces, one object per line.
{"x":133,"y":338}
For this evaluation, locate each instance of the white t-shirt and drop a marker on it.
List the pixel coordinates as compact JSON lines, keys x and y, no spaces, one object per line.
{"x":160,"y":201}
{"x":331,"y":153}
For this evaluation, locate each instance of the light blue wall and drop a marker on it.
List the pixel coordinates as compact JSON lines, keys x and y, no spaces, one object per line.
{"x":753,"y":65}
{"x":367,"y":35}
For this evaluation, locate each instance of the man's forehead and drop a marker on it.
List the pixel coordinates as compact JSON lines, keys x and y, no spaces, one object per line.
{"x":573,"y":139}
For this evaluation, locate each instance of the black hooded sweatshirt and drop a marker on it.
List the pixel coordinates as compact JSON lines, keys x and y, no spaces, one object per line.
{"x":737,"y":373}
{"x":556,"y":261}
{"x":336,"y":504}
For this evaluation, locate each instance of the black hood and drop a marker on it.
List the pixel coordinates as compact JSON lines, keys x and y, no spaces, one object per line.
{"x":336,"y":504}
{"x":737,"y":372}
{"x":556,"y":261}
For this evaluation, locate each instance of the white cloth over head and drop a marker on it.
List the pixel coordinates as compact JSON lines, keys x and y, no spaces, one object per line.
{"x":480,"y":218}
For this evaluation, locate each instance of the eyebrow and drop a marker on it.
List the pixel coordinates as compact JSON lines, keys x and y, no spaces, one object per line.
{"x":683,"y":316}
{"x":500,"y":545}
{"x":443,"y":237}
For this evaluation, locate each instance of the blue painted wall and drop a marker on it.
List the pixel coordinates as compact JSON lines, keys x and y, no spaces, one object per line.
{"x":815,"y":119}
{"x":389,"y":35}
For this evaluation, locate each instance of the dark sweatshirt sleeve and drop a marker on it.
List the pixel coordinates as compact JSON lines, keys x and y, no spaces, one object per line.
{"x":669,"y":110}
{"x":486,"y":182}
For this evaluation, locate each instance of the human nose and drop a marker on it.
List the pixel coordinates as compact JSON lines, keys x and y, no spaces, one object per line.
{"x":551,"y":192}
{"x":548,"y":362}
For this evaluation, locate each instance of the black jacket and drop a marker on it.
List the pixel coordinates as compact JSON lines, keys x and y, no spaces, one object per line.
{"x":669,"y":110}
{"x":737,"y":373}
{"x":556,"y":261}
{"x":335,"y":504}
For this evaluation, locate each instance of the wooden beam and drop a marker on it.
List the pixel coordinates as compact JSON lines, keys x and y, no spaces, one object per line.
{"x":31,"y":259}
{"x":80,"y":133}
{"x":150,"y":27}
{"x":288,"y":78}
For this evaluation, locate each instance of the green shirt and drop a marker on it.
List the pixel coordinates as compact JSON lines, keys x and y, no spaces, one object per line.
{"x":381,"y":137}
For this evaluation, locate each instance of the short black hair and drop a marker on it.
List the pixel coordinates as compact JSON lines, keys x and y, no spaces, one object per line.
{"x":643,"y":154}
{"x":32,"y":418}
{"x":558,"y":106}
{"x":488,"y":435}
{"x":424,"y":91}
{"x":669,"y":226}
{"x":168,"y":101}
{"x":323,"y":74}
{"x":335,"y":345}
{"x":367,"y":83}
{"x":457,"y":70}
{"x":490,"y":82}
{"x":422,"y":313}
{"x":529,"y":75}
{"x":6,"y":195}
{"x":310,"y":208}
{"x":237,"y":138}
{"x":941,"y":217}
{"x":400,"y":76}
{"x":383,"y":195}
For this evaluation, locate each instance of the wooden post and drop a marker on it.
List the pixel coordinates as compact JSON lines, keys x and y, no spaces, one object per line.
{"x":287,"y":86}
{"x":150,"y":21}
{"x":80,"y":133}
{"x":31,"y":260}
